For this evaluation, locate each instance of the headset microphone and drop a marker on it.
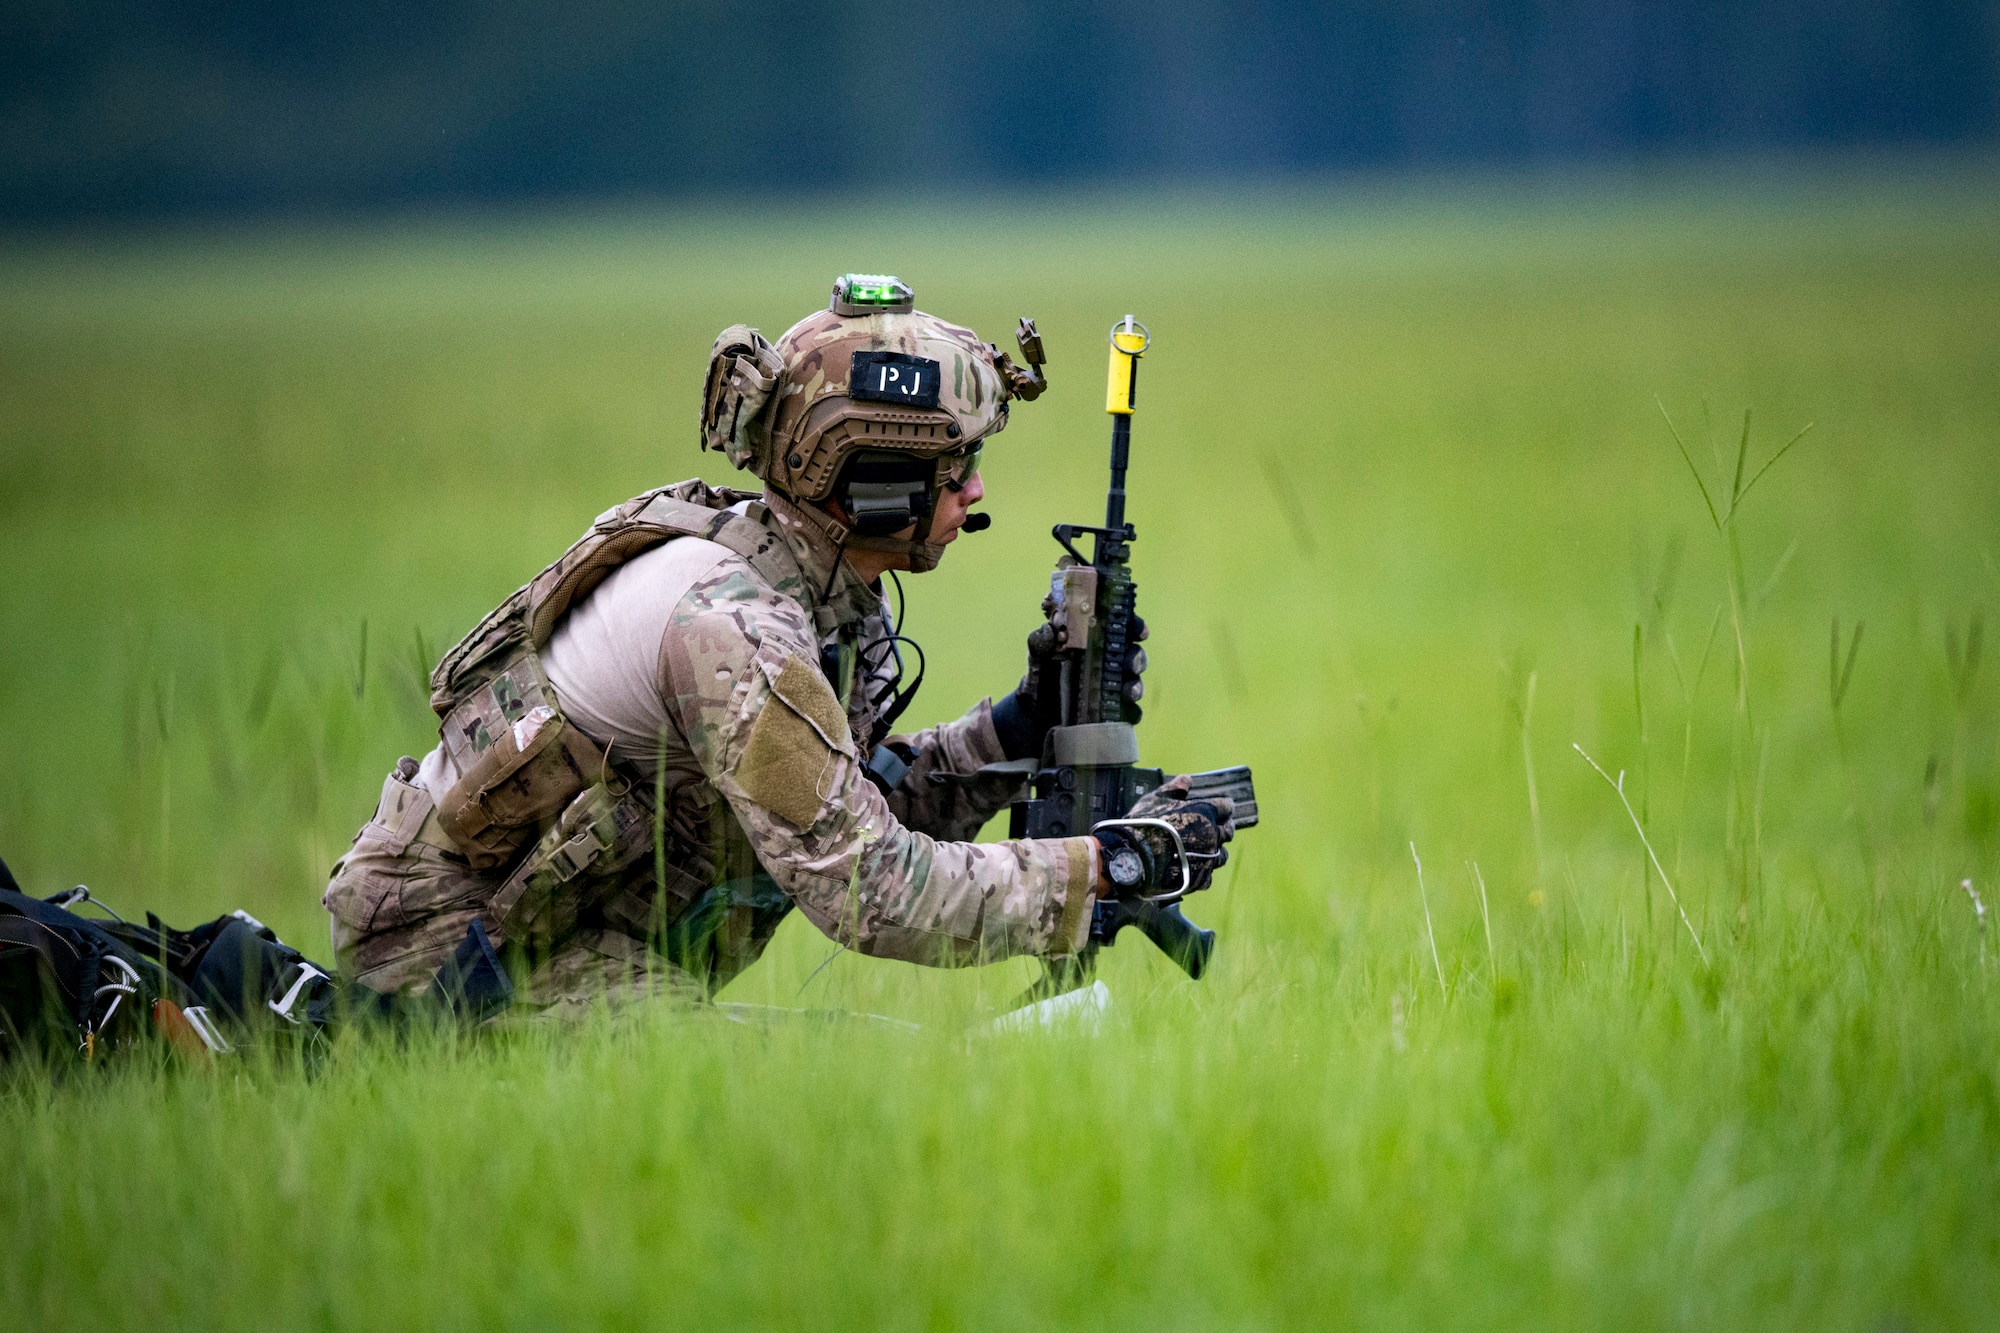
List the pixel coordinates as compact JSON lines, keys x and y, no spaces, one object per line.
{"x":978,"y":522}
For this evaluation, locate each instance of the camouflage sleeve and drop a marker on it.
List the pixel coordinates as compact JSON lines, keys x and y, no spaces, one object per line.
{"x":738,"y":676}
{"x":958,"y":807}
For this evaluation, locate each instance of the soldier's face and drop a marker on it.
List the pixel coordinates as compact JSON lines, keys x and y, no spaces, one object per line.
{"x":952,"y":507}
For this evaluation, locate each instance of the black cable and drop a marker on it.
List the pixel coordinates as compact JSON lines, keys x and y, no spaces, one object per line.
{"x":902,"y":698}
{"x":871,"y":659}
{"x":833,"y":573}
{"x":902,"y":603}
{"x":895,"y":629}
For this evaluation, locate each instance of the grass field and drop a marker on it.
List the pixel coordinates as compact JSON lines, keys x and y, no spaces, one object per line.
{"x":1412,"y":525}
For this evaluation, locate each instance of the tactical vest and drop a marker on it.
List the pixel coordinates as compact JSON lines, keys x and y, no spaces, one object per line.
{"x":536,"y":799}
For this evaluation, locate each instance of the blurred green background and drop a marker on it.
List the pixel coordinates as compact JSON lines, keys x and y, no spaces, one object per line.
{"x":1395,"y":449}
{"x":1411,"y":523}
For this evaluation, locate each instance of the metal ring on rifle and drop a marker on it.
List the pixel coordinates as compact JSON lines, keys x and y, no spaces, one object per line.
{"x":1180,"y":851}
{"x":1129,"y":325}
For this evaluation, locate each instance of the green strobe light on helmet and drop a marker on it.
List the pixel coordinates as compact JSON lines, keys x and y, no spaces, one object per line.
{"x":871,"y":294}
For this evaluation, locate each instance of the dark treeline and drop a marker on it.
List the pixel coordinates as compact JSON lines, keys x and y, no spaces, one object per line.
{"x":126,"y":108}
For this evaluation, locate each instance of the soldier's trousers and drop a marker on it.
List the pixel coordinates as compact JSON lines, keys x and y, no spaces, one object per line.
{"x":402,"y":899}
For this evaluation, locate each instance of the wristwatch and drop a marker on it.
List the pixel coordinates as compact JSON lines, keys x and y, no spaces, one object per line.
{"x":1125,"y":868}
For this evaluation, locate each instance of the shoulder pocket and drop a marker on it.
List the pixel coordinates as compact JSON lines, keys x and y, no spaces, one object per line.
{"x":793,"y":742}
{"x":805,"y":691}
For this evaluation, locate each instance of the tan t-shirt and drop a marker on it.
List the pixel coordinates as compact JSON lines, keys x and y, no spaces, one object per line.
{"x":604,"y":658}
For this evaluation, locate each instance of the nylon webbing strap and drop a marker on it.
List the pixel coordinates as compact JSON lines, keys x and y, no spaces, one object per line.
{"x":763,"y":548}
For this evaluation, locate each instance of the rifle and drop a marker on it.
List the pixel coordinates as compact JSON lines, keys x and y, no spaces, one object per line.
{"x":1089,"y":772}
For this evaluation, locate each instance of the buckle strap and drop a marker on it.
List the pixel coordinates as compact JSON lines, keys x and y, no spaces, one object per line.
{"x":283,"y":1007}
{"x":572,"y":857}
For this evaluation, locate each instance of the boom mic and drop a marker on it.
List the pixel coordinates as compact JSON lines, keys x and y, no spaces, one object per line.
{"x":978,"y":522}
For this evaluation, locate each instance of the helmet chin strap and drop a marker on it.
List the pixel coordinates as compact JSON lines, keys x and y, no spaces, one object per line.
{"x":924,"y":556}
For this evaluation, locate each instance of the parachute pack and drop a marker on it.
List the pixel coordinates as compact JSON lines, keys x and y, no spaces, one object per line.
{"x":71,"y":984}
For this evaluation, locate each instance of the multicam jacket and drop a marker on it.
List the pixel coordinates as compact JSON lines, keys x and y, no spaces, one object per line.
{"x":762,"y":699}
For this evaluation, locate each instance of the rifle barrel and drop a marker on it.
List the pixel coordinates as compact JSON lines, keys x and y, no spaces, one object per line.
{"x":1121,"y":454}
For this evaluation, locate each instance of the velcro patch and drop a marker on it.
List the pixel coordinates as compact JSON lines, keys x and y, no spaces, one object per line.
{"x":792,"y":743}
{"x":800,"y":684}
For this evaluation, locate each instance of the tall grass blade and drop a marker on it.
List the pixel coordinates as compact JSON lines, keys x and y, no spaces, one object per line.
{"x":1528,"y":765}
{"x":1486,"y":919}
{"x":1645,"y":750}
{"x":1839,"y":673}
{"x":1618,"y":785}
{"x":1736,"y":482}
{"x":1965,"y":662}
{"x":1777,"y":572}
{"x":361,"y":662}
{"x":1693,"y":471}
{"x":1978,"y":916}
{"x":1773,"y":462}
{"x":1287,"y":495}
{"x":1428,"y":930}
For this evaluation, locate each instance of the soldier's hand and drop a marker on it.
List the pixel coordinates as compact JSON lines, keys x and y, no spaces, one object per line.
{"x":1135,"y":673}
{"x":1140,"y":861}
{"x":1040,"y":690}
{"x":1036,"y":704}
{"x":1024,"y":717}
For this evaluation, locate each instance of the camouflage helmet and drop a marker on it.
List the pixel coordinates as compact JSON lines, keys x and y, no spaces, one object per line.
{"x":869,"y":379}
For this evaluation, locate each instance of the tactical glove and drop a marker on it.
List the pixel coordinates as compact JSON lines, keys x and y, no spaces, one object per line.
{"x":1135,"y":673}
{"x":1141,"y":861}
{"x":1024,"y":717}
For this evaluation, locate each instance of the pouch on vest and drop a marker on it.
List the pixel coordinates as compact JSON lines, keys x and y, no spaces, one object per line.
{"x":520,"y":763}
{"x":596,"y":836}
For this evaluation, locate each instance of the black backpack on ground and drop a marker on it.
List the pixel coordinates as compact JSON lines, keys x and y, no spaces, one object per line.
{"x":65,"y":983}
{"x":70,"y":983}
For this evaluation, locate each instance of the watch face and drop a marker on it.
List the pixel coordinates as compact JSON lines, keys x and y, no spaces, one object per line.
{"x":1125,"y":868}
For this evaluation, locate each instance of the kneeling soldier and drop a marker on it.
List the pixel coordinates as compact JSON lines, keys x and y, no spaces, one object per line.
{"x":679,"y":730}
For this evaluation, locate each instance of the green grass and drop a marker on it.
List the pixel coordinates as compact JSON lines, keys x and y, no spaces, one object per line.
{"x":1400,"y":469}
